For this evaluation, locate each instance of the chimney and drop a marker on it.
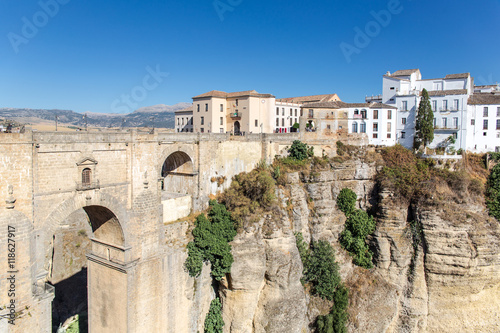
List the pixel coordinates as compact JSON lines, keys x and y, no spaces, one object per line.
{"x":388,"y":73}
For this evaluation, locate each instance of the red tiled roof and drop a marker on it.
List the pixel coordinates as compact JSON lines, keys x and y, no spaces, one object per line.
{"x":223,"y":94}
{"x":310,"y":99}
{"x":484,"y":99}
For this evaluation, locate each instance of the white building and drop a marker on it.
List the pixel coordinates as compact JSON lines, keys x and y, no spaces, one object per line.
{"x":483,"y":125}
{"x":184,"y":120}
{"x":448,"y":97}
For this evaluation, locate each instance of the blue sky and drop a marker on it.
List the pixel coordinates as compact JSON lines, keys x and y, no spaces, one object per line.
{"x":90,"y":55}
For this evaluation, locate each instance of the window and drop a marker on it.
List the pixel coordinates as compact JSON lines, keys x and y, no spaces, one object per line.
{"x":222,"y":108}
{"x":392,"y":88}
{"x":403,"y":135}
{"x":498,"y":124}
{"x":86,"y":177}
{"x":455,"y":104}
{"x":485,"y":111}
{"x":198,"y":107}
{"x":484,"y":134}
{"x":202,"y":120}
{"x":403,"y":121}
{"x":277,"y":122}
{"x":295,"y":112}
{"x":256,"y":122}
{"x":375,"y":114}
{"x":498,"y":111}
{"x":388,"y":135}
{"x":362,"y":128}
{"x":375,"y":127}
{"x":363,"y":114}
{"x":389,"y":127}
{"x":434,"y":105}
{"x":473,"y":122}
{"x":291,"y":114}
{"x":202,"y":130}
{"x":236,"y":102}
{"x":355,"y":127}
{"x":206,"y":106}
{"x":291,"y":122}
{"x":182,"y":121}
{"x":455,"y":135}
{"x":282,"y":111}
{"x":445,"y":122}
{"x":311,"y":113}
{"x":445,"y":105}
{"x":356,"y":111}
{"x":178,"y":121}
{"x":375,"y":135}
{"x":404,"y":106}
{"x":221,"y":130}
{"x":222,"y":120}
{"x":434,"y":122}
{"x":485,"y":124}
{"x":282,"y":122}
{"x":277,"y":111}
{"x":389,"y":114}
{"x":328,"y":127}
{"x":455,"y":122}
{"x":301,"y":113}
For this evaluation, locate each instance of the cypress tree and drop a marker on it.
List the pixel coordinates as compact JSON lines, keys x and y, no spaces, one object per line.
{"x":424,"y":127}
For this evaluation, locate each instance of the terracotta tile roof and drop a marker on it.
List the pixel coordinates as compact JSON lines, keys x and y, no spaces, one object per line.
{"x":310,"y":99}
{"x":396,"y":78}
{"x":447,"y":92}
{"x":457,"y":76}
{"x":185,"y":110}
{"x":223,"y":94}
{"x":484,"y":99}
{"x":405,"y":72}
{"x":344,"y":105}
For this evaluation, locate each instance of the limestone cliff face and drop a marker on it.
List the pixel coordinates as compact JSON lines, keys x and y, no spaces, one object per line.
{"x":443,"y":277}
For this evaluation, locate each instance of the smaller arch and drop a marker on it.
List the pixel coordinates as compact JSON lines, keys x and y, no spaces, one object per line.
{"x":178,"y":162}
{"x":105,"y":225}
{"x":237,"y":127}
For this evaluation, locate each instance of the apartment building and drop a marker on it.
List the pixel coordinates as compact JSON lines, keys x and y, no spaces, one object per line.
{"x":236,"y":112}
{"x":288,"y":110}
{"x":449,"y":95}
{"x":184,"y":120}
{"x":376,"y":120}
{"x":483,"y":124}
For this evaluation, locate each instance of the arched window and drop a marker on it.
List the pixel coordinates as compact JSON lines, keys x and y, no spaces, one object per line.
{"x":355,"y":127}
{"x":363,"y":114}
{"x":356,"y":111}
{"x":86,"y":177}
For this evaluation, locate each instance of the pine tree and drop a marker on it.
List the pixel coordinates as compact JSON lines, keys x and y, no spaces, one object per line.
{"x":424,"y":127}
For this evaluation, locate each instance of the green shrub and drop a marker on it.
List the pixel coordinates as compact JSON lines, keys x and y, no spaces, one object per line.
{"x":493,"y":192}
{"x":214,"y":321}
{"x":353,"y":238}
{"x":300,"y":150}
{"x":335,"y":321}
{"x":346,"y":201}
{"x":211,"y":242}
{"x":341,"y":149}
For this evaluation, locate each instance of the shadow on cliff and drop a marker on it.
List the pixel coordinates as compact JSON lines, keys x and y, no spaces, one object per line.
{"x":71,"y":300}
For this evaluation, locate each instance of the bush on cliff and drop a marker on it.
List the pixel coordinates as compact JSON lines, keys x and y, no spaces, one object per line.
{"x":493,"y":192}
{"x":335,"y":321}
{"x":346,"y":201}
{"x":213,"y":321}
{"x":211,"y":242}
{"x":353,"y":238}
{"x":300,"y":150}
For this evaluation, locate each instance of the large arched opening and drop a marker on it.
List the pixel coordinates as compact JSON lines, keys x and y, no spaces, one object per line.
{"x":178,"y":174}
{"x":91,"y":231}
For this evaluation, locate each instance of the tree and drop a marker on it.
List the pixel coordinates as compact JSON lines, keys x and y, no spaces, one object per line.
{"x":214,"y":321}
{"x":424,"y":127}
{"x":493,"y":192}
{"x":346,"y":201}
{"x":300,"y":150}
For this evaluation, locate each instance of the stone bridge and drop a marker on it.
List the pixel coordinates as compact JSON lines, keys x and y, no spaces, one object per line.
{"x":97,"y":214}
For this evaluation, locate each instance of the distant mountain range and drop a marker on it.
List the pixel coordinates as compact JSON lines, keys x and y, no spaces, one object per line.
{"x":159,"y":116}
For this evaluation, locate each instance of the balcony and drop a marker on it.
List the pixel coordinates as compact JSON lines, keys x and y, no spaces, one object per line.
{"x":235,"y":115}
{"x":446,"y":129}
{"x":87,"y":186}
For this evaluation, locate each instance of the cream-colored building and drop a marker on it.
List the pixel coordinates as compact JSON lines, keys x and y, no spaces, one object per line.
{"x":237,"y":112}
{"x":184,"y":120}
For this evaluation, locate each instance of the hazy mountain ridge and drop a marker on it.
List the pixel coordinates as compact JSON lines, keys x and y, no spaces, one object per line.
{"x":160,"y":116}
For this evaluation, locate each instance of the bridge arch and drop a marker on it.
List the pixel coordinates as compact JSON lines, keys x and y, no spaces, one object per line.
{"x":178,"y":171}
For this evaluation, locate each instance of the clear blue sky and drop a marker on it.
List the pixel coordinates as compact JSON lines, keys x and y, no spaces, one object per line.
{"x":90,"y":53}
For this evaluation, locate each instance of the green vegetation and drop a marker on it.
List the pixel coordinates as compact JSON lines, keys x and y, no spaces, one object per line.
{"x":211,"y":242}
{"x":424,"y":126}
{"x":213,"y":321}
{"x":322,"y":273}
{"x":335,"y":321}
{"x":300,"y":150}
{"x":250,"y":193}
{"x":493,"y":192}
{"x":358,"y":225}
{"x":346,"y":201}
{"x":341,"y":148}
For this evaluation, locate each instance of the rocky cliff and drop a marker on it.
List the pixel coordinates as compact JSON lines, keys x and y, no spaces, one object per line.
{"x":436,"y":259}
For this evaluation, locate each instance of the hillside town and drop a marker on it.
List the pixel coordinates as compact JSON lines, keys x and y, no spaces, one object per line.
{"x":466,"y":116}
